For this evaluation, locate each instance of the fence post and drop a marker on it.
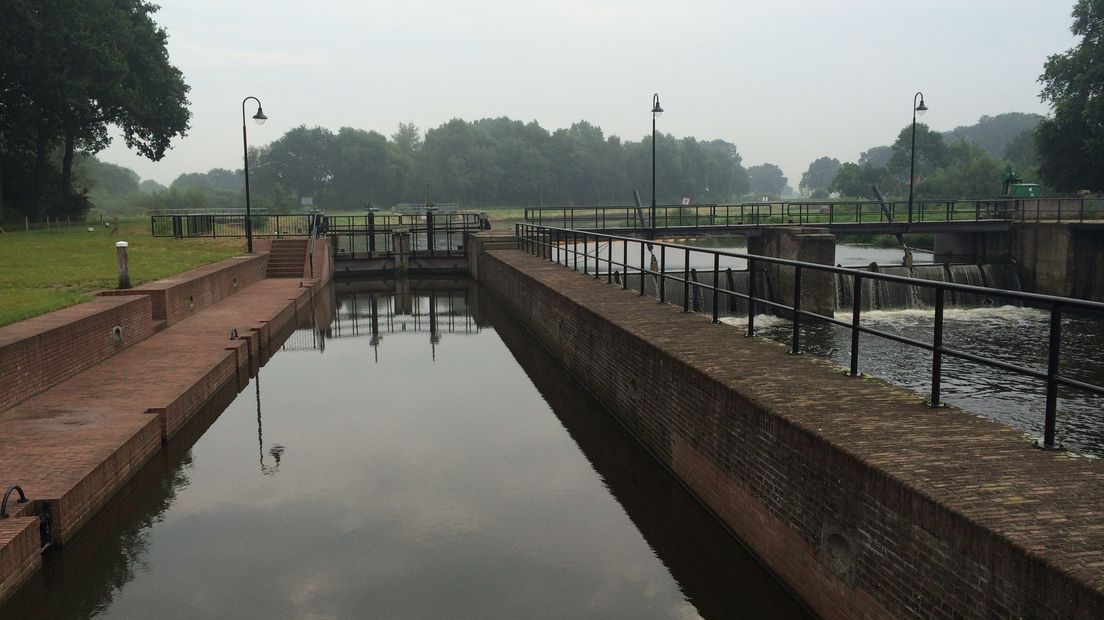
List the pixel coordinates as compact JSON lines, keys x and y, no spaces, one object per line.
{"x":937,"y":348}
{"x":662,"y":274}
{"x":716,"y":282}
{"x":751,"y":297}
{"x":795,"y":345}
{"x":642,"y":268}
{"x":856,"y":308}
{"x":625,"y":265}
{"x":686,"y":281}
{"x":1050,"y":423}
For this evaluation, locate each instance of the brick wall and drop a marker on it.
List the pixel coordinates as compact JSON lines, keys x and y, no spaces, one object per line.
{"x":179,"y":296}
{"x":850,"y":539}
{"x":43,"y":351}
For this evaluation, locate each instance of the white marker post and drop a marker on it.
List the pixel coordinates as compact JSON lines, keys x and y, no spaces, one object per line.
{"x":124,"y":268}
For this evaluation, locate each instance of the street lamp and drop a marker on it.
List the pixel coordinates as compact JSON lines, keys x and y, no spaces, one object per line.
{"x":656,"y":111}
{"x":921,"y":108}
{"x":260,"y":118}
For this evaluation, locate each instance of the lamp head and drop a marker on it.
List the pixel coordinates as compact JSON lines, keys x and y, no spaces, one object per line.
{"x":920,"y":109}
{"x":656,"y":109}
{"x":260,"y":116}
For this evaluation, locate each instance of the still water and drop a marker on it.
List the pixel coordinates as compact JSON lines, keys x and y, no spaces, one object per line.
{"x":419,"y":457}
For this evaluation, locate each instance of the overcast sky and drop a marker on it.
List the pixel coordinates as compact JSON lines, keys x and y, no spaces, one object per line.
{"x":787,"y":81}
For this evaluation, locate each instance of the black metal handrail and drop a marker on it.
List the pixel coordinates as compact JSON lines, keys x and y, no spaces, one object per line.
{"x":7,"y":495}
{"x":830,"y":213}
{"x":556,"y":244}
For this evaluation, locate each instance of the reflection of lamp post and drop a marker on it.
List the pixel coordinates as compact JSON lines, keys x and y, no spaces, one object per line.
{"x":921,"y":108}
{"x":260,"y":118}
{"x":275,"y":451}
{"x":656,"y":111}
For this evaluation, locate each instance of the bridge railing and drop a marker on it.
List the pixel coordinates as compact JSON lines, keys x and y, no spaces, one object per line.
{"x":567,"y":247}
{"x":1075,"y":209}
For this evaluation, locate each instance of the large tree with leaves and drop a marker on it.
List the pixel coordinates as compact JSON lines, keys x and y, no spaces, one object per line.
{"x":1071,"y":141}
{"x":69,"y":71}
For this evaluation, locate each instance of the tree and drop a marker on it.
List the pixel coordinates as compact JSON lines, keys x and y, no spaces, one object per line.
{"x":68,"y":70}
{"x":1021,"y":151}
{"x":1071,"y":142}
{"x":820,"y":174}
{"x":994,"y":133}
{"x":931,"y":153}
{"x":971,"y":172}
{"x":766,"y":180}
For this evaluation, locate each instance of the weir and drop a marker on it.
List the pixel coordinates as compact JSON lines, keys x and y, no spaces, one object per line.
{"x":860,"y":498}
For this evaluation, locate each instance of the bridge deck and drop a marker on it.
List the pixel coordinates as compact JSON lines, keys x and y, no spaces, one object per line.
{"x":981,"y":483}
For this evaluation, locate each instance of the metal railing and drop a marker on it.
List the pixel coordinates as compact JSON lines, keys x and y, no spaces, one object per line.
{"x":566,"y":246}
{"x":370,"y":235}
{"x":216,"y":225}
{"x":353,"y":236}
{"x":1077,"y":209}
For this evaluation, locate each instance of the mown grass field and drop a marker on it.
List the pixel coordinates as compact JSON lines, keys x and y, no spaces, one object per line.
{"x":44,"y":270}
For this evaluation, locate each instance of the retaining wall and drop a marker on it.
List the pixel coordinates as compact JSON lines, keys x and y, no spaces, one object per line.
{"x":45,"y":350}
{"x":179,"y":296}
{"x":862,"y":500}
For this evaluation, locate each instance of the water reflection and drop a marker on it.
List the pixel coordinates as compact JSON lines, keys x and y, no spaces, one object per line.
{"x":377,"y":308}
{"x":429,"y":490}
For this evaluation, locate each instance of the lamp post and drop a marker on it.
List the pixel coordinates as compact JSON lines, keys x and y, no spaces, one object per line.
{"x":656,"y":111}
{"x":260,"y":118}
{"x":921,"y":108}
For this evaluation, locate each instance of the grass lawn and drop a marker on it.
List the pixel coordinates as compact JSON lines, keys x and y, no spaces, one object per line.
{"x":43,"y":270}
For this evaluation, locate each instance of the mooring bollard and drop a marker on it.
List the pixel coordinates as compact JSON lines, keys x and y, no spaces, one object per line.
{"x":124,"y":269}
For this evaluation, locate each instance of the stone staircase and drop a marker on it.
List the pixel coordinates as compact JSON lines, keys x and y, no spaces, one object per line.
{"x":287,"y":258}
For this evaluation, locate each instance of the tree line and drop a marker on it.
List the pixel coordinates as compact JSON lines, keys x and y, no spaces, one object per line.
{"x":69,"y":70}
{"x":491,"y":162}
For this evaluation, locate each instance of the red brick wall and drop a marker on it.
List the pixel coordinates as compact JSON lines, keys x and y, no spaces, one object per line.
{"x":19,"y":552}
{"x":43,"y":351}
{"x":849,"y":539}
{"x":177,"y":297}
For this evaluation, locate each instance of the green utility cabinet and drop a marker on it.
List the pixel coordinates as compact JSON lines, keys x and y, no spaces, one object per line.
{"x":1025,"y":190}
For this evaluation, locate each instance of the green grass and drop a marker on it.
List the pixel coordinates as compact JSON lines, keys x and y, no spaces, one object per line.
{"x":43,"y":270}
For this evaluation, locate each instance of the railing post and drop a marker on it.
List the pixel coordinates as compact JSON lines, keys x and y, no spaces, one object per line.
{"x":642,"y":268}
{"x":575,"y":249}
{"x":609,"y":261}
{"x":686,"y":281}
{"x":586,"y":253}
{"x":795,"y":347}
{"x":1050,"y":423}
{"x":856,"y":308}
{"x":371,"y":233}
{"x":751,"y":297}
{"x":625,"y":265}
{"x":937,"y":348}
{"x":662,"y":274}
{"x":716,"y":282}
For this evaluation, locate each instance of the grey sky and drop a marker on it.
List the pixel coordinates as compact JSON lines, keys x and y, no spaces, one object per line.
{"x":786,"y":80}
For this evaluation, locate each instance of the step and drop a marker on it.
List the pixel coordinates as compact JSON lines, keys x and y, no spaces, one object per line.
{"x":20,"y":552}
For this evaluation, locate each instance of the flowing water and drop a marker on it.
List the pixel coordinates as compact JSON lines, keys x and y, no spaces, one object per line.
{"x":420,"y":457}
